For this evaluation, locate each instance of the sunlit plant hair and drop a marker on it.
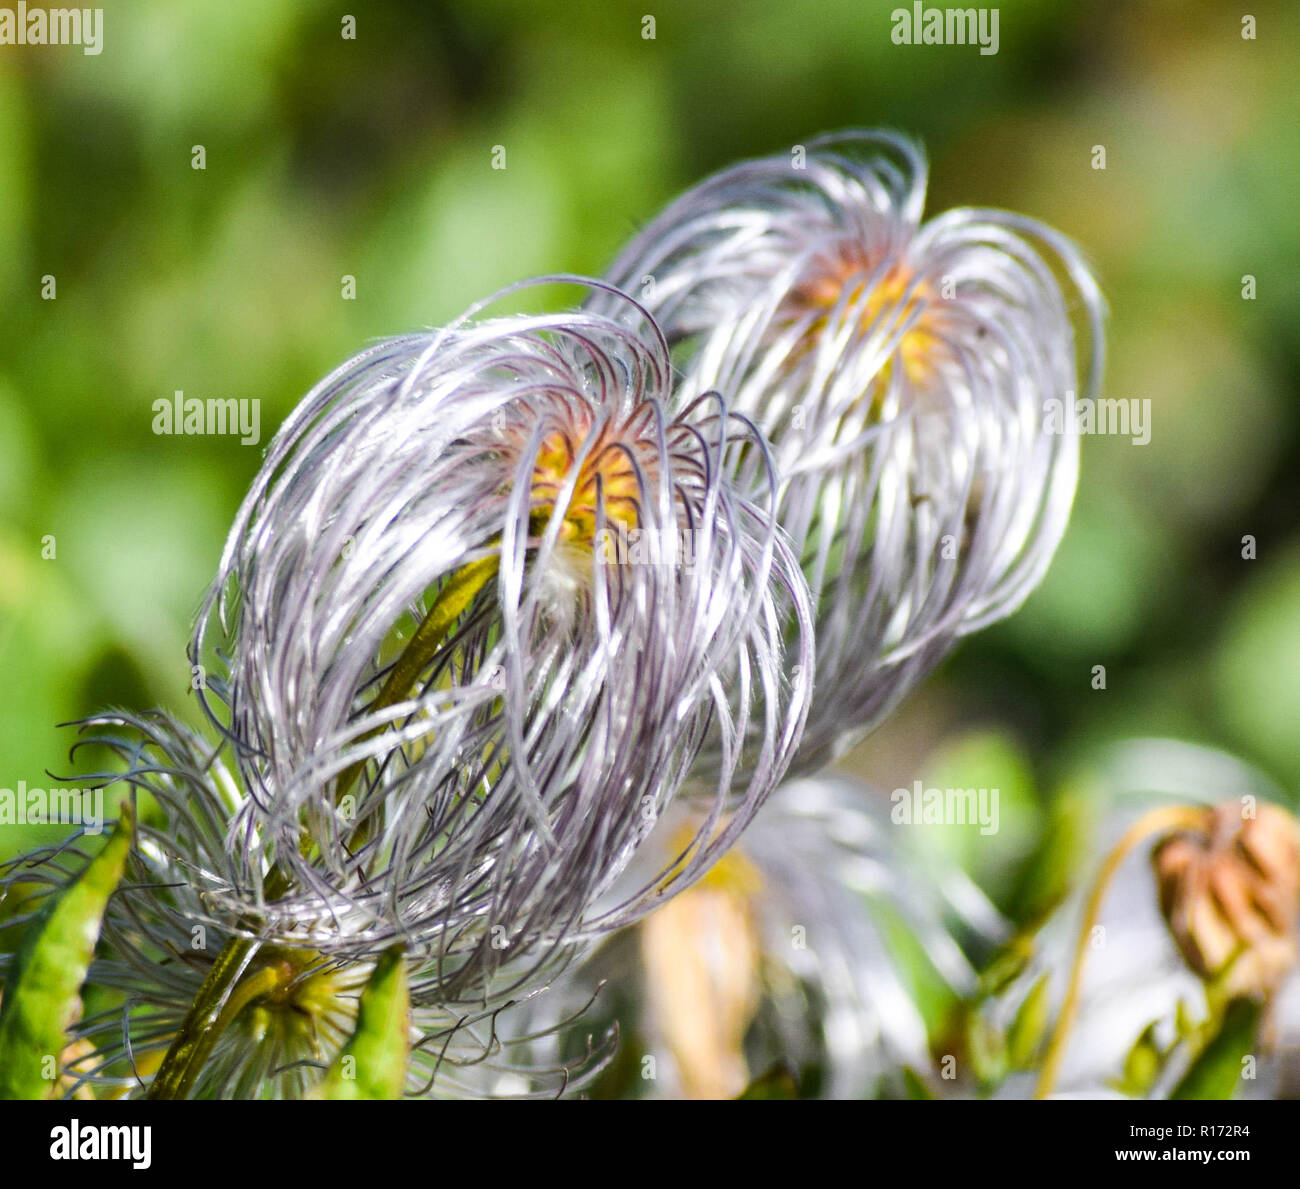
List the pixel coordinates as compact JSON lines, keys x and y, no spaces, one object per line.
{"x":917,"y":382}
{"x":485,"y":601}
{"x":170,"y":920}
{"x":790,"y":951}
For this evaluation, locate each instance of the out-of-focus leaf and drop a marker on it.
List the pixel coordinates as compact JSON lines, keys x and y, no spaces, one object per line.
{"x":1258,"y":668}
{"x":1216,"y":1072}
{"x":915,"y":1086}
{"x":987,"y":1048}
{"x":372,"y":1065}
{"x":1027,"y":1029}
{"x":1007,"y":964}
{"x":1046,"y":877}
{"x":1142,"y":1064}
{"x":1101,"y":585}
{"x":987,"y":760}
{"x":47,"y":632}
{"x":937,"y":1002}
{"x":41,"y":993}
{"x":777,"y":1083}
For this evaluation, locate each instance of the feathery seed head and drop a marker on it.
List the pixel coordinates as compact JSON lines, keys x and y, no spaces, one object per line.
{"x":454,"y":718}
{"x":903,"y":373}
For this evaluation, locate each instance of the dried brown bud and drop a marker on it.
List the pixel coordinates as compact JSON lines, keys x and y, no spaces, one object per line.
{"x":1230,"y":893}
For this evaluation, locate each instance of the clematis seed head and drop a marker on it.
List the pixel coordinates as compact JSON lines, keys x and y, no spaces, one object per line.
{"x":906,"y":374}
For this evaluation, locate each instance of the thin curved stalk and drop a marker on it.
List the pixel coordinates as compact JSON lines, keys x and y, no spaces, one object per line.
{"x":1165,"y":818}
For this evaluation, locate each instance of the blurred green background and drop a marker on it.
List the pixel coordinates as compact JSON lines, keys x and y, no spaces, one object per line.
{"x":372,"y":158}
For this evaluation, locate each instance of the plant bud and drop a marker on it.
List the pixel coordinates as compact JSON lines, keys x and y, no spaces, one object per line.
{"x":1230,"y":893}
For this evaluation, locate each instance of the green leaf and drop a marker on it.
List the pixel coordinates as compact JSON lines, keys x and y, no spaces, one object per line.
{"x":915,"y":1086}
{"x":987,"y":759}
{"x":987,"y":1048}
{"x":1045,"y":879}
{"x":1142,"y":1065}
{"x":1027,"y":1029}
{"x":372,"y":1065}
{"x":934,"y":998}
{"x":1216,"y":1072}
{"x":1007,"y":964}
{"x":776,"y":1084}
{"x":41,"y":1000}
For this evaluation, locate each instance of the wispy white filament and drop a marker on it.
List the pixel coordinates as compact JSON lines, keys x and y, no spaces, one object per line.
{"x":903,"y":373}
{"x":832,"y":880}
{"x":501,"y":796}
{"x":180,"y":900}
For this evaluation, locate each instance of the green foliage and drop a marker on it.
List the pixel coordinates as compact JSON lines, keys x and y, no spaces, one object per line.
{"x":778,"y":1083}
{"x":1258,"y":667}
{"x":986,"y":1047}
{"x":915,"y":1086}
{"x":372,"y":1065}
{"x":1142,"y":1064}
{"x":988,"y":760}
{"x":1029,"y":1027}
{"x":936,"y":1000}
{"x":41,"y":998}
{"x":1046,"y":877}
{"x":1007,"y":964}
{"x":1217,"y":1070}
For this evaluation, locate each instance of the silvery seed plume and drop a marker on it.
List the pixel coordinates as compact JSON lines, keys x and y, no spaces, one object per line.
{"x":785,"y":952}
{"x":606,"y":600}
{"x":181,"y":900}
{"x":903,"y":373}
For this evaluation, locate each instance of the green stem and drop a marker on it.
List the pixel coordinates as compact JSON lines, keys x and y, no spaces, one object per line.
{"x":419,"y":652}
{"x":1171,"y":817}
{"x":224,"y":994}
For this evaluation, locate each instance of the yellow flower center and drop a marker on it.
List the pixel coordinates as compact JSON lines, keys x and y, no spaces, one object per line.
{"x":897,"y":290}
{"x":606,"y":473}
{"x":303,"y":1011}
